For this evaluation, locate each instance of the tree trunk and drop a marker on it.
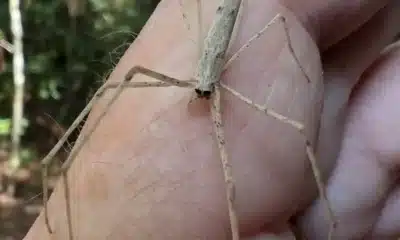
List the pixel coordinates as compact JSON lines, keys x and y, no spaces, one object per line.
{"x":19,"y":81}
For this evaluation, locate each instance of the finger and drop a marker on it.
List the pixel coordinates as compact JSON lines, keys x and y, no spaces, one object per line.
{"x":368,"y":161}
{"x":286,"y":235}
{"x":386,"y":144}
{"x":343,"y":65}
{"x":356,"y":189}
{"x":152,"y":168}
{"x":351,"y":56}
{"x":332,"y":20}
{"x":388,"y":224}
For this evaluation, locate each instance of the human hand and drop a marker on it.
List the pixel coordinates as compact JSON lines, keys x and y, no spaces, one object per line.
{"x":132,"y":181}
{"x":363,"y":187}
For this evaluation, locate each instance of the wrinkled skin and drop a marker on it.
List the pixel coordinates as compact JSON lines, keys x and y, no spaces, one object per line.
{"x":151,"y":169}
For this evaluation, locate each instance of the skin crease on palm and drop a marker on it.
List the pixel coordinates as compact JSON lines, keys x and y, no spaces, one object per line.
{"x":134,"y":181}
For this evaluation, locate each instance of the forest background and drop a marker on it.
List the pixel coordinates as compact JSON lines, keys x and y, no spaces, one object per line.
{"x":69,"y":47}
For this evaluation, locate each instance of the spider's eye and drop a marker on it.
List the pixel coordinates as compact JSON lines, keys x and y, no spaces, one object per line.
{"x":203,"y":94}
{"x":206,"y":94}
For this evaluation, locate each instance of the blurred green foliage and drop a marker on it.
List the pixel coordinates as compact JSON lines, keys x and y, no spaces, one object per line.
{"x":66,"y":58}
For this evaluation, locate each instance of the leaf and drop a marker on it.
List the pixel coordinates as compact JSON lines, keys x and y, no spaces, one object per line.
{"x":5,"y":126}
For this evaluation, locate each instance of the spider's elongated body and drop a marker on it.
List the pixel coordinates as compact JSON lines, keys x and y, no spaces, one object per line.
{"x":212,"y":60}
{"x":206,"y":84}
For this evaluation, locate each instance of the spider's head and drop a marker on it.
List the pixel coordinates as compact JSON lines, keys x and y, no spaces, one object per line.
{"x":203,"y":94}
{"x":204,"y":90}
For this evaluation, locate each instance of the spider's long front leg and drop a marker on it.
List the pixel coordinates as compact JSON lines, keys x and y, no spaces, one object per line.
{"x":226,"y":165}
{"x":277,"y":19}
{"x":299,"y":126}
{"x":165,"y":81}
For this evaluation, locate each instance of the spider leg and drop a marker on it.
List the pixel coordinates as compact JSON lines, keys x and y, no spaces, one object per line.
{"x":299,"y":126}
{"x":226,"y":165}
{"x":277,"y":19}
{"x":309,"y":149}
{"x":165,"y":81}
